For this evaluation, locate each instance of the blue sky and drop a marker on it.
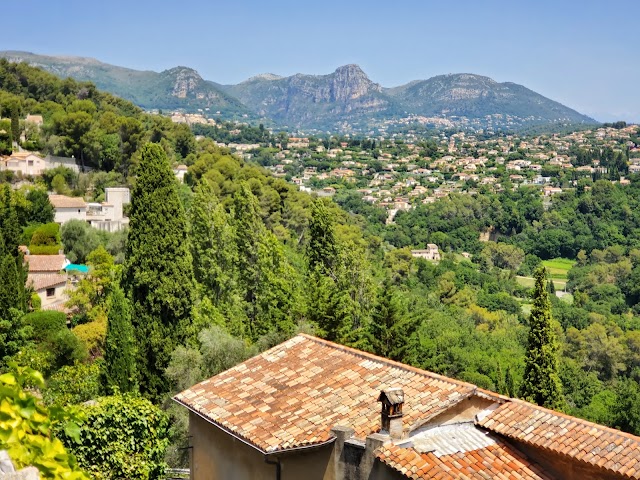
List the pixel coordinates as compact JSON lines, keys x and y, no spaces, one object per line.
{"x":584,"y":54}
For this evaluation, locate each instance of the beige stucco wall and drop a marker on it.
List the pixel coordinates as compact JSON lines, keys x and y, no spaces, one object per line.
{"x":30,"y":165}
{"x":216,"y":455}
{"x":63,"y":215}
{"x":464,"y":411}
{"x":59,"y":296}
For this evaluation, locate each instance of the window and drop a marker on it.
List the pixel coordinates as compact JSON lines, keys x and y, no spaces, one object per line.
{"x":30,"y":163}
{"x":51,"y":292}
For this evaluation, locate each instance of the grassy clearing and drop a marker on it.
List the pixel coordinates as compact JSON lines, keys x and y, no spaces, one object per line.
{"x":567,"y":298}
{"x":558,"y":268}
{"x":530,"y":282}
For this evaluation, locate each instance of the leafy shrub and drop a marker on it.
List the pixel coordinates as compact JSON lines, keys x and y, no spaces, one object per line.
{"x":44,"y":249}
{"x":123,"y":436}
{"x":93,"y":335}
{"x":61,"y":347}
{"x":73,"y":384}
{"x":26,"y":429}
{"x":35,"y":302}
{"x":47,"y":234}
{"x":28,"y":231}
{"x":45,"y":323}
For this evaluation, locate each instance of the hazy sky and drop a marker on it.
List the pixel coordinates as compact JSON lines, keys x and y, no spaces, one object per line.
{"x":584,"y":54}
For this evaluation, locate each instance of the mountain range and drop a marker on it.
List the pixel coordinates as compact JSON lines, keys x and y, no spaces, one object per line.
{"x":345,"y":100}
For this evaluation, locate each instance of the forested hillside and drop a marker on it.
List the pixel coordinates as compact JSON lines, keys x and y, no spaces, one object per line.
{"x":235,"y":260}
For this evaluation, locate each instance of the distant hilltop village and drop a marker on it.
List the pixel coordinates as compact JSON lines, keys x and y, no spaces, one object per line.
{"x":400,"y":172}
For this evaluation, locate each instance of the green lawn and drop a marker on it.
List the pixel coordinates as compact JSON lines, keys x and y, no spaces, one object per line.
{"x":558,"y":268}
{"x":529,"y":282}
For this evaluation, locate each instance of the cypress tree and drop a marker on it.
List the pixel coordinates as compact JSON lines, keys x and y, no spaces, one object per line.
{"x":158,"y":271}
{"x":212,"y":244}
{"x":14,"y":277}
{"x":11,"y":285}
{"x":322,"y":250}
{"x":541,"y":383}
{"x":509,"y":383}
{"x":265,"y":278}
{"x":15,"y":125}
{"x":250,"y":232}
{"x":9,"y":226}
{"x":119,"y":352}
{"x":500,"y":381}
{"x":391,"y":326}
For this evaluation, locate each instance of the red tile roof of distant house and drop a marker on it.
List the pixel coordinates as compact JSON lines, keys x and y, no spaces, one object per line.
{"x":62,"y":201}
{"x":42,"y":281}
{"x":46,"y":263}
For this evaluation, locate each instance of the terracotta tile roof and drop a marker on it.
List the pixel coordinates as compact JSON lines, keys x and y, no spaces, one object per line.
{"x":46,"y":263}
{"x":62,"y":201}
{"x":46,"y":280}
{"x":293,"y":394}
{"x":495,"y":461}
{"x":579,"y":439}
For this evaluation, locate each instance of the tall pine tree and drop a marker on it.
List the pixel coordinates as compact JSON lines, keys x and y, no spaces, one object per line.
{"x":212,"y":244}
{"x":541,"y":383}
{"x":158,"y":273}
{"x":119,"y":351}
{"x":265,"y":278}
{"x":250,"y":232}
{"x":392,"y":329}
{"x":322,"y":250}
{"x":13,"y":276}
{"x":340,"y":290}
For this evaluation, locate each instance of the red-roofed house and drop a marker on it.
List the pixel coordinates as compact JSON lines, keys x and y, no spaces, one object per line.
{"x":311,"y":409}
{"x":47,"y":279}
{"x":68,"y":208}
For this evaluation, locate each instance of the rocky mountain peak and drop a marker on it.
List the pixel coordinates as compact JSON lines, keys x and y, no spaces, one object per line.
{"x":264,"y":76}
{"x":185,"y":81}
{"x":351,"y":69}
{"x":350,"y":82}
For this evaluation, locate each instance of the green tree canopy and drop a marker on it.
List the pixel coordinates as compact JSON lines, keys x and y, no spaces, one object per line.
{"x":541,"y":383}
{"x":158,"y":272}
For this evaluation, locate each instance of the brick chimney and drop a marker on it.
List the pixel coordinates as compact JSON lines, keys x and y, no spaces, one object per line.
{"x":392,"y":400}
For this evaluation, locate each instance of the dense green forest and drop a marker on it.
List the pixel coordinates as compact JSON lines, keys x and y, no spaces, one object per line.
{"x":236,"y":260}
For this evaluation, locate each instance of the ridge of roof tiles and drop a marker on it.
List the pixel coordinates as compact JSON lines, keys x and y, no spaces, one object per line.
{"x":64,"y":201}
{"x":581,"y":440}
{"x":292,"y":395}
{"x":45,"y":263}
{"x":494,"y":461}
{"x":46,"y":280}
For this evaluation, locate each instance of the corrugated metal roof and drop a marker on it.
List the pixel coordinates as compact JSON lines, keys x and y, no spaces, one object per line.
{"x":450,"y":439}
